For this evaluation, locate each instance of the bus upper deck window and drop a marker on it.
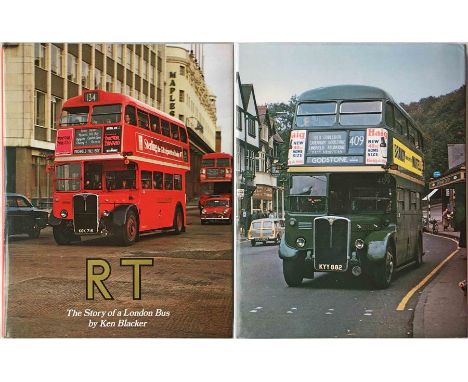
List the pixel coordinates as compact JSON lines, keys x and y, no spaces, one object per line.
{"x":74,"y":116}
{"x":154,"y":123}
{"x":130,"y":115}
{"x":106,"y":114}
{"x":143,"y":119}
{"x":365,"y":113}
{"x":174,"y":132}
{"x":183,"y":135}
{"x":165,"y":128}
{"x":316,"y":114}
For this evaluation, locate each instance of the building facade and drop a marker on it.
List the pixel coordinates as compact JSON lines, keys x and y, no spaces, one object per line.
{"x":267,"y":198}
{"x":37,"y":80}
{"x":189,"y":99}
{"x":247,"y":146}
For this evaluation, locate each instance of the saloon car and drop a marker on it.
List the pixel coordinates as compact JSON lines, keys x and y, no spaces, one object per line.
{"x":217,"y":210}
{"x":22,"y":217}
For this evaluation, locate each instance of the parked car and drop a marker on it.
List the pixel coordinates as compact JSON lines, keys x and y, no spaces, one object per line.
{"x":265,"y":230}
{"x":217,"y":209}
{"x":23,"y":217}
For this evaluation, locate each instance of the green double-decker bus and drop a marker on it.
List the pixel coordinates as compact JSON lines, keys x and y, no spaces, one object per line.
{"x":355,"y":176}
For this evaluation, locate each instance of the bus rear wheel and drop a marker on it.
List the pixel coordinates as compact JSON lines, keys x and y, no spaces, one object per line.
{"x":293,"y":272}
{"x":178,"y":224}
{"x":383,"y":271}
{"x":129,"y":231}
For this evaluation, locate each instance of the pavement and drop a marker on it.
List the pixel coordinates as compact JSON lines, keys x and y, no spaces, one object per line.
{"x":443,"y":301}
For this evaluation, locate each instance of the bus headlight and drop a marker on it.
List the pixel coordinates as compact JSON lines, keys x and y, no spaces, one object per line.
{"x":292,"y":222}
{"x":225,"y":211}
{"x":64,"y":213}
{"x":106,"y":213}
{"x":203,"y":211}
{"x":300,"y":242}
{"x":359,"y":243}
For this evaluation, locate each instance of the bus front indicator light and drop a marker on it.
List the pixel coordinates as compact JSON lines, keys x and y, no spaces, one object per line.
{"x":64,"y":214}
{"x":106,"y":213}
{"x":359,"y":243}
{"x":300,"y":242}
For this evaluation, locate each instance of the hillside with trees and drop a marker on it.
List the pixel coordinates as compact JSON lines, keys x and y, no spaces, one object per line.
{"x":442,"y":121}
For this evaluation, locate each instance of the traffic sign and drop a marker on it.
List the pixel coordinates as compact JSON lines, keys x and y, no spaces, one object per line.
{"x":436,"y":174}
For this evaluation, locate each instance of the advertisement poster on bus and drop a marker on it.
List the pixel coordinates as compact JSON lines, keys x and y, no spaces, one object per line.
{"x":376,"y":146}
{"x":64,"y":142}
{"x":298,"y":145}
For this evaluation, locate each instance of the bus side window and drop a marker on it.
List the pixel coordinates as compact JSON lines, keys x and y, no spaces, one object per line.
{"x":177,"y":182}
{"x":407,"y":200}
{"x":130,"y":115}
{"x":400,"y":122}
{"x":146,"y":180}
{"x":158,"y":180}
{"x":174,"y":132}
{"x":143,"y":119}
{"x":183,"y":134}
{"x":154,"y":123}
{"x":389,"y":115}
{"x":185,"y":153}
{"x":168,"y":181}
{"x":401,"y":199}
{"x":165,"y":129}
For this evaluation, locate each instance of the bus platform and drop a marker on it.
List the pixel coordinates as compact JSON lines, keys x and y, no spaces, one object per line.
{"x":442,"y":301}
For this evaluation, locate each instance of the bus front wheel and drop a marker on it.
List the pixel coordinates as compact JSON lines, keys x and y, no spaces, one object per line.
{"x":64,"y":236}
{"x":293,"y":272}
{"x":129,"y":231}
{"x":383,"y":271}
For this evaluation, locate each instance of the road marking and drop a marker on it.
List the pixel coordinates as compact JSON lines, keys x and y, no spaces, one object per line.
{"x":289,"y":312}
{"x":253,"y":311}
{"x":401,"y":306}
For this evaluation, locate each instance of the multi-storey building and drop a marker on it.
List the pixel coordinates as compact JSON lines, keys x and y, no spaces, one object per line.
{"x":267,"y":197}
{"x":248,"y":144}
{"x":39,"y":77}
{"x":189,"y":99}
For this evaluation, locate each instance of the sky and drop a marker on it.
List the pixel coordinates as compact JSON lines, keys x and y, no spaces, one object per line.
{"x":218,"y":68}
{"x":408,"y":72}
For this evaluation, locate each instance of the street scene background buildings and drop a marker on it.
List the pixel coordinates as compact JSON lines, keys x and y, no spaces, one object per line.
{"x":39,"y":77}
{"x":258,"y":147}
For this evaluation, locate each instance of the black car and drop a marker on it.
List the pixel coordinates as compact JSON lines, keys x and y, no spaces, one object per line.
{"x":23,"y":217}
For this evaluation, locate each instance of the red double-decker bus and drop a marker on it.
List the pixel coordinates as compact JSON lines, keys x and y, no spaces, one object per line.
{"x":215,"y":176}
{"x":119,"y":169}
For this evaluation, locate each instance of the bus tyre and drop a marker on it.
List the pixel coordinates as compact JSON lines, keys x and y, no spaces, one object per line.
{"x":64,"y":236}
{"x":419,"y":252}
{"x":129,"y":231}
{"x":178,"y":224}
{"x":34,"y":233}
{"x":253,"y":243}
{"x":383,"y":271}
{"x":293,"y":272}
